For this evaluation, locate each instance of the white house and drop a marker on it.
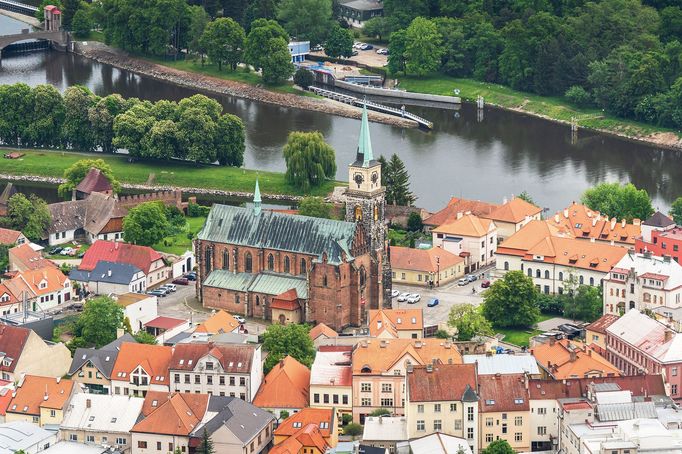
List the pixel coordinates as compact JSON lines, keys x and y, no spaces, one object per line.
{"x":138,"y":309}
{"x":111,"y":277}
{"x":182,"y":264}
{"x":468,"y":236}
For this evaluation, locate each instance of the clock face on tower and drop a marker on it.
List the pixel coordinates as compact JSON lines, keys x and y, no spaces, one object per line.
{"x":375,"y":177}
{"x":358,"y":178}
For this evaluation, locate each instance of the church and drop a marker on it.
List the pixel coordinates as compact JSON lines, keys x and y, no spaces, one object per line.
{"x":294,"y":269}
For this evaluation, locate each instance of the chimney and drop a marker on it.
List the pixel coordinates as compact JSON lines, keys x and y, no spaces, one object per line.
{"x":109,"y":273}
{"x":566,"y":213}
{"x":556,"y":218}
{"x":119,"y":332}
{"x":459,"y":215}
{"x":594,"y":222}
{"x":429,"y":368}
{"x":636,"y":221}
{"x":46,"y":396}
{"x":88,"y":403}
{"x":383,"y":343}
{"x":574,"y":356}
{"x":622,"y":223}
{"x":668,"y":335}
{"x":613,"y":223}
{"x":552,"y":341}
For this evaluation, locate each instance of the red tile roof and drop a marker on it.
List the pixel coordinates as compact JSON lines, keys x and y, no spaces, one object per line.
{"x":503,"y":393}
{"x":287,"y":301}
{"x":94,"y":181}
{"x":232,"y":358}
{"x":12,"y":341}
{"x":140,"y":256}
{"x":394,"y":320}
{"x":9,"y":236}
{"x":456,"y":205}
{"x":37,"y":392}
{"x":444,"y":382}
{"x":639,"y":385}
{"x":171,"y":414}
{"x":514,"y":211}
{"x":603,"y":322}
{"x":571,"y":359}
{"x":332,"y":366}
{"x":164,"y":323}
{"x":25,"y":258}
{"x":424,"y":260}
{"x":154,"y":359}
{"x":308,"y":436}
{"x":308,"y":416}
{"x":287,"y":385}
{"x":322,"y":330}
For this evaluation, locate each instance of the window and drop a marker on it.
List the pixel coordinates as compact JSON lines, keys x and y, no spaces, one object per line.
{"x":504,"y":427}
{"x":232,"y":381}
{"x":287,"y":264}
{"x":226,"y":260}
{"x":581,"y":280}
{"x":420,"y":408}
{"x":222,"y":380}
{"x":436,"y":408}
{"x":121,"y":441}
{"x":242,"y":381}
{"x":674,"y":371}
{"x":366,"y":402}
{"x":197,"y":379}
{"x":538,"y":273}
{"x":542,"y":411}
{"x":420,"y":425}
{"x":470,"y":414}
{"x":386,"y":403}
{"x":488,"y":438}
{"x":470,"y":433}
{"x":506,"y":266}
{"x":673,"y":389}
{"x":335,"y":399}
{"x":542,"y":430}
{"x":302,"y":267}
{"x":437,"y":425}
{"x":141,"y":444}
{"x":518,"y":421}
{"x":402,"y":276}
{"x":386,"y":387}
{"x":345,"y":399}
{"x":365,"y":387}
{"x":209,"y":379}
{"x":453,"y":407}
{"x":89,"y":438}
{"x":488,"y":422}
{"x":316,"y":398}
{"x":271,"y":262}
{"x":518,"y":436}
{"x":326,"y":398}
{"x":248,"y":267}
{"x":73,"y":437}
{"x":458,"y":424}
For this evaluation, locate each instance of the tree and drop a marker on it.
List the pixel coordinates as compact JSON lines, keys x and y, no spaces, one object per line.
{"x":353,"y":430}
{"x":526,"y":197}
{"x":101,"y":117}
{"x":309,"y":160}
{"x":423,"y":48}
{"x":396,"y":51}
{"x":401,"y":12}
{"x":40,"y":13}
{"x":223,"y":40}
{"x":397,"y":182}
{"x":381,"y":412}
{"x":206,"y":445}
{"x":230,"y":142}
{"x":585,"y":304}
{"x":676,"y":211}
{"x":4,"y":257}
{"x":293,"y":340}
{"x":143,"y":337}
{"x":277,"y":67}
{"x":306,"y":19}
{"x":47,"y":116}
{"x":31,"y":216}
{"x":99,"y":321}
{"x":339,"y":42}
{"x":315,"y":207}
{"x":498,"y":447}
{"x":414,"y":222}
{"x":469,"y":321}
{"x":77,"y":172}
{"x":619,"y":201}
{"x":376,"y":26}
{"x":76,"y":130}
{"x":578,"y":96}
{"x":198,"y":19}
{"x":162,"y":141}
{"x":82,"y":23}
{"x":130,"y":128}
{"x":198,"y":134}
{"x":304,"y":78}
{"x":512,"y":301}
{"x":262,"y":31}
{"x":146,"y":224}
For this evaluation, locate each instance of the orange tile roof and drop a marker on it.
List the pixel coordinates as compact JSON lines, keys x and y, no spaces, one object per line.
{"x":287,"y":385}
{"x":9,"y":236}
{"x":154,"y":359}
{"x":174,"y":414}
{"x":425,"y":260}
{"x":380,"y":356}
{"x":529,"y":236}
{"x":456,"y":205}
{"x":6,"y":296}
{"x":220,"y":322}
{"x":306,"y":416}
{"x":443,"y":382}
{"x":308,"y":436}
{"x":467,"y":225}
{"x":514,"y":211}
{"x":287,"y":300}
{"x":394,"y":320}
{"x":322,"y":330}
{"x":30,"y":280}
{"x":587,"y":361}
{"x":603,"y":322}
{"x":30,"y":395}
{"x":503,"y":392}
{"x":586,"y":223}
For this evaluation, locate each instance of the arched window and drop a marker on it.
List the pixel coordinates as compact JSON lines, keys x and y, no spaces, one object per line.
{"x":506,"y":266}
{"x":358,"y":213}
{"x":257,"y":300}
{"x":632,"y":304}
{"x":207,"y":260}
{"x":287,"y":264}
{"x":324,"y":280}
{"x":581,"y":280}
{"x":248,"y":265}
{"x":538,"y":274}
{"x":226,"y":260}
{"x":271,"y":262}
{"x":561,"y":276}
{"x":302,"y":266}
{"x":530,"y":272}
{"x":363,"y":276}
{"x":235,"y":259}
{"x":591,"y":281}
{"x":546,"y":274}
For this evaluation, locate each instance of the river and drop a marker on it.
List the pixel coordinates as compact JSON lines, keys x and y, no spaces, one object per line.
{"x":503,"y":154}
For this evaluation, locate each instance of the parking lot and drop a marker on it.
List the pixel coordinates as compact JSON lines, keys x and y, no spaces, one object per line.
{"x":365,"y":57}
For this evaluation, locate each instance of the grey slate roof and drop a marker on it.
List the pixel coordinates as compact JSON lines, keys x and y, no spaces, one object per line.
{"x":90,"y":214}
{"x":265,"y":282}
{"x":121,"y":273}
{"x":469,"y":395}
{"x":98,"y":357}
{"x":364,"y":5}
{"x":659,"y":219}
{"x":20,"y":435}
{"x":243,"y":419}
{"x":623,"y":411}
{"x":279,"y":231}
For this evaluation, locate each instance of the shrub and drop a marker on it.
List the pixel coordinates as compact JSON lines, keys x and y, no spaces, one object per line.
{"x":303,"y":78}
{"x":195,"y":210}
{"x":578,"y":96}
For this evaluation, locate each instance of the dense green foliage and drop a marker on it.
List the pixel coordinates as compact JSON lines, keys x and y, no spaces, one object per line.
{"x":146,"y":224}
{"x":292,"y":340}
{"x":619,"y":201}
{"x":223,"y":40}
{"x":31,"y":216}
{"x":77,"y":172}
{"x":619,"y":55}
{"x":4,"y":257}
{"x":498,"y":447}
{"x":396,"y":180}
{"x":99,"y":321}
{"x":339,"y":42}
{"x":303,"y":78}
{"x":315,"y":207}
{"x":309,"y":159}
{"x":469,"y":321}
{"x":143,"y":337}
{"x":307,"y":20}
{"x":676,"y":211}
{"x":512,"y":301}
{"x":414,"y":222}
{"x":193,"y":129}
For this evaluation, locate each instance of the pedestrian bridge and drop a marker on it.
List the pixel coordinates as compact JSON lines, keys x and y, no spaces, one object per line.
{"x":54,"y":36}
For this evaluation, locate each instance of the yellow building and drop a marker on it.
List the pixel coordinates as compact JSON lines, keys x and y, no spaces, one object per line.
{"x":92,"y":366}
{"x":41,"y":400}
{"x":595,"y":332}
{"x":425,"y":266}
{"x":396,"y":323}
{"x":504,"y":411}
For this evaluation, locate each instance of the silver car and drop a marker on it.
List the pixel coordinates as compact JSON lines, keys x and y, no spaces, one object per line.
{"x":403,"y":297}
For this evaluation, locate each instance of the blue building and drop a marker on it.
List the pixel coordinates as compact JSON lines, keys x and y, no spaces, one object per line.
{"x":299,"y":50}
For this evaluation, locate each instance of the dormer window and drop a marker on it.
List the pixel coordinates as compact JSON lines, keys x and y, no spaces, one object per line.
{"x":42,"y":284}
{"x":4,"y":298}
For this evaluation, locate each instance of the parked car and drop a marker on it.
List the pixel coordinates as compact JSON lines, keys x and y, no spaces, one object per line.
{"x":413,"y":298}
{"x":56,"y":251}
{"x":357,"y":44}
{"x":240,"y":319}
{"x":355,"y":52}
{"x":433,"y":302}
{"x":471,"y":277}
{"x":382,"y":51}
{"x":395,"y":294}
{"x":366,"y":47}
{"x":463,"y":281}
{"x":191,"y":276}
{"x":157,"y":292}
{"x":181,"y":281}
{"x":169,"y":287}
{"x":403,"y":297}
{"x":317,"y":48}
{"x":485,"y":284}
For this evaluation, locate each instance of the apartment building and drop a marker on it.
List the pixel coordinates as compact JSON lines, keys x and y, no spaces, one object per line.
{"x":331,"y":379}
{"x":504,"y":411}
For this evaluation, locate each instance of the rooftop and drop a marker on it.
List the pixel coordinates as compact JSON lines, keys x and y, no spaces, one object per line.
{"x":94,"y":181}
{"x":659,"y":219}
{"x":514,"y":211}
{"x":572,"y":359}
{"x":107,"y":272}
{"x":287,"y":385}
{"x":102,"y":412}
{"x":324,"y":418}
{"x":668,"y":271}
{"x":443,"y":382}
{"x":154,"y":359}
{"x":457,"y":205}
{"x":424,"y":260}
{"x":164,"y":323}
{"x":115,"y":251}
{"x":28,"y":258}
{"x":503,"y":364}
{"x":466,"y":225}
{"x":171,"y":414}
{"x":128,"y":299}
{"x":9,"y":236}
{"x":583,"y":222}
{"x":322,"y":330}
{"x":308,"y":436}
{"x":91,"y":214}
{"x":391,"y":321}
{"x":439,"y":443}
{"x":233,"y":358}
{"x":603,"y":322}
{"x":21,"y":435}
{"x":34,"y":393}
{"x":503,"y":393}
{"x":385,"y":428}
{"x":332,"y":367}
{"x":648,"y":335}
{"x":377,"y":356}
{"x":12,"y":342}
{"x":102,"y":358}
{"x":220,"y":322}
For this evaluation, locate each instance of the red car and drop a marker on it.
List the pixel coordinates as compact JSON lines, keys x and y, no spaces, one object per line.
{"x":181,"y":281}
{"x":485,"y":284}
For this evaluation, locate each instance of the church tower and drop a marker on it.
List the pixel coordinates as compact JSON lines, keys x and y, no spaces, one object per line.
{"x":365,"y":204}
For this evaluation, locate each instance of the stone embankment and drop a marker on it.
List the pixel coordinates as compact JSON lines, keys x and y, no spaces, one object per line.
{"x":114,"y":57}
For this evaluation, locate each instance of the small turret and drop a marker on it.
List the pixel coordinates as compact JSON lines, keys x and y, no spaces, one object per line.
{"x":256,"y":200}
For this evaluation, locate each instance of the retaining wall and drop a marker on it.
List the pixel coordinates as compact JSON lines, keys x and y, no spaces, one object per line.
{"x":396,"y":93}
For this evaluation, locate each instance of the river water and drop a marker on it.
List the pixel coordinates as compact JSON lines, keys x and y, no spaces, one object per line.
{"x":502,"y":154}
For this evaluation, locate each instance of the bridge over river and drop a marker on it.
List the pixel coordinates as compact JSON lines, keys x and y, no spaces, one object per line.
{"x":52,"y":33}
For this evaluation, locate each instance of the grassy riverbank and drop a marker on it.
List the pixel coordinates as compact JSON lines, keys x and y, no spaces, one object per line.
{"x":554,"y":108}
{"x":180,"y":174}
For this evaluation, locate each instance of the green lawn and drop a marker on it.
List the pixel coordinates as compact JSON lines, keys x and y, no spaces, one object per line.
{"x":555,"y":108}
{"x":181,"y":242}
{"x":180,"y":174}
{"x":522,"y":337}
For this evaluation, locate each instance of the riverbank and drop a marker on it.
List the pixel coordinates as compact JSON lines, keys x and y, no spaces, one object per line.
{"x":198,"y":81}
{"x":45,"y":166}
{"x":548,"y":108}
{"x":32,"y":21}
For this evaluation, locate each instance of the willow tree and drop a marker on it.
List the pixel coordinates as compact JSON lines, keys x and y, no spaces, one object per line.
{"x":309,"y":159}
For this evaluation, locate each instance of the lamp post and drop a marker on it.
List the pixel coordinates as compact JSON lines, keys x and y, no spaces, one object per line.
{"x":438,"y":270}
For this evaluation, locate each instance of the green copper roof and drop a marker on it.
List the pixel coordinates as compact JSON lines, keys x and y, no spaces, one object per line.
{"x":365,"y":143}
{"x":279,"y":231}
{"x":275,"y":284}
{"x":229,"y":280}
{"x":256,"y":199}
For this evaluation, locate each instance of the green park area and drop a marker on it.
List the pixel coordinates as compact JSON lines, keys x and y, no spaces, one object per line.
{"x":181,"y":241}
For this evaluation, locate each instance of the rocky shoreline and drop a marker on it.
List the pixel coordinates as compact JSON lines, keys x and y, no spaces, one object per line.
{"x":119,"y":59}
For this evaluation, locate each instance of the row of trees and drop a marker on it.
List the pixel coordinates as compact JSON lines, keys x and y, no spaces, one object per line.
{"x":194,"y":129}
{"x":619,"y":55}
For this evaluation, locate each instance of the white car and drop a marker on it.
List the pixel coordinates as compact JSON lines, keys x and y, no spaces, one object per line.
{"x":403,"y":297}
{"x":240,"y":319}
{"x":413,"y":298}
{"x":358,"y":45}
{"x":170,"y":287}
{"x":395,"y":293}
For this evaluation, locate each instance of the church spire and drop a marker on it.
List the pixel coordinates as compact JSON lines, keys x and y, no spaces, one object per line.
{"x":256,"y":200}
{"x":365,"y":154}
